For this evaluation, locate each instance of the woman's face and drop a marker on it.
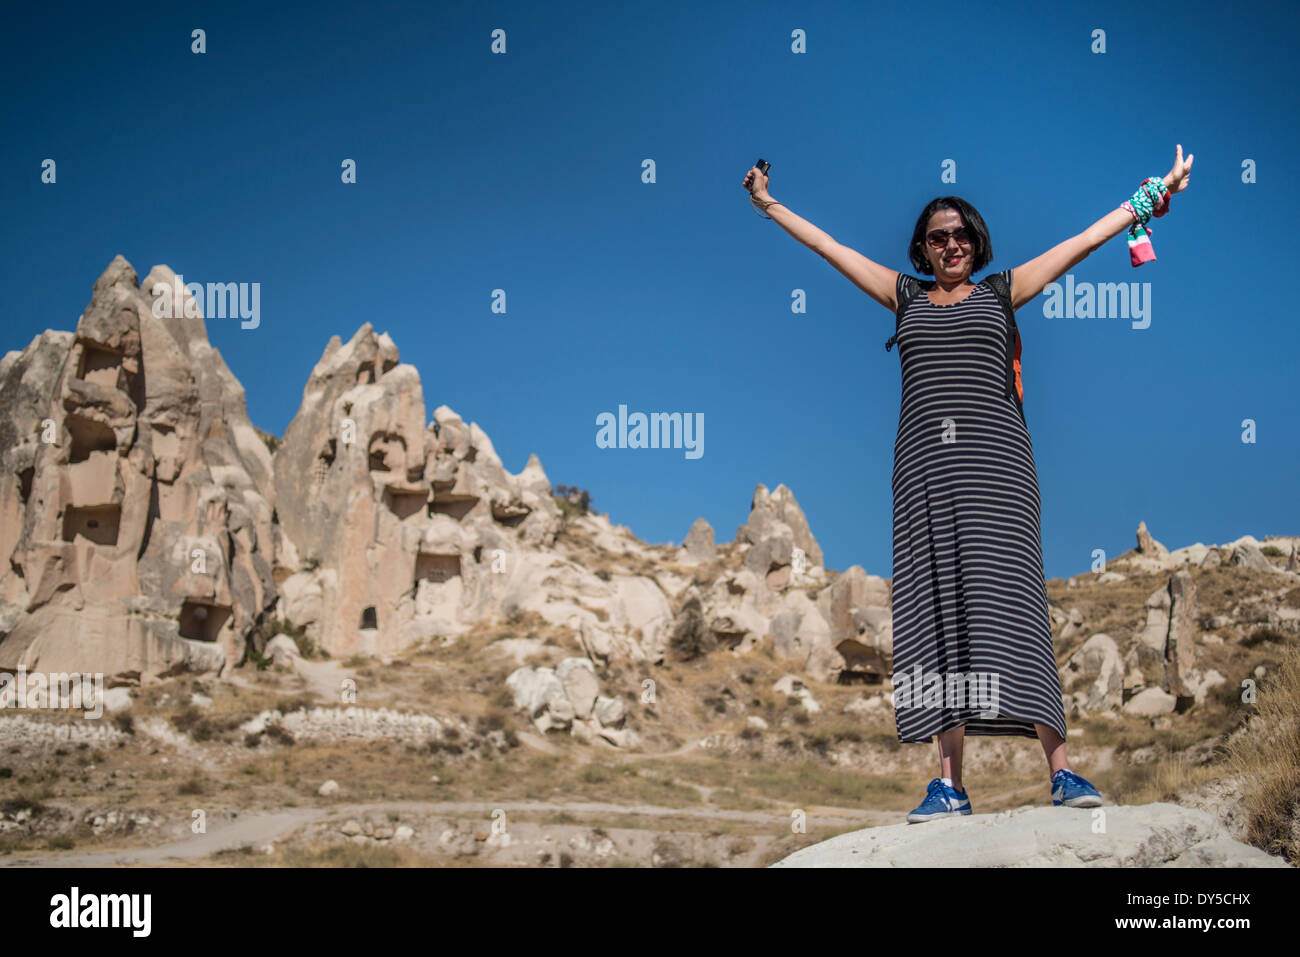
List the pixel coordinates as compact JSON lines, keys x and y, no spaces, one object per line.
{"x":953,"y":261}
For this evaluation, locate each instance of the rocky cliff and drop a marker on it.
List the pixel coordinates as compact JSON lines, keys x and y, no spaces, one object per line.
{"x":149,"y":529}
{"x":133,"y":491}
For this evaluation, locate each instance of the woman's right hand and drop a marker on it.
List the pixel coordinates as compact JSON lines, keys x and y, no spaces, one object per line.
{"x":756,"y":182}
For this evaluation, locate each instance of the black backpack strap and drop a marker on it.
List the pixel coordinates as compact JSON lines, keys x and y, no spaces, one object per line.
{"x":1000,"y":283}
{"x":907,"y":289}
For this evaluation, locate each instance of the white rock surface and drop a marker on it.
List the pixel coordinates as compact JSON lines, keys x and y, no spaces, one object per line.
{"x":1150,"y":702}
{"x":1152,"y":835}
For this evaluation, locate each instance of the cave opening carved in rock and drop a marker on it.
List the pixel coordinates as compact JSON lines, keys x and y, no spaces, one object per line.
{"x":88,"y":435}
{"x":862,"y":663}
{"x":405,"y":502}
{"x":387,"y":452}
{"x":96,"y":523}
{"x":202,"y":620}
{"x":102,"y":366}
{"x":509,"y":515}
{"x":436,"y":568}
{"x":456,"y":506}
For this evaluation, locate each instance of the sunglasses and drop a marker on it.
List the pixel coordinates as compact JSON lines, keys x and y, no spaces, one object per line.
{"x":939,"y":237}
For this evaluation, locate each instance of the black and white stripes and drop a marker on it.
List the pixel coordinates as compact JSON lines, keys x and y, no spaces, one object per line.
{"x":969,"y":595}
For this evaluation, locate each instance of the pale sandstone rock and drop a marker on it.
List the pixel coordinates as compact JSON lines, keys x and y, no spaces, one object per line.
{"x":578,"y":677}
{"x":418,"y":522}
{"x":1151,"y":702}
{"x":282,"y":650}
{"x":699,"y":545}
{"x":1147,"y":545}
{"x":1149,"y":556}
{"x":1099,"y":662}
{"x":1249,"y":555}
{"x":1180,"y":647}
{"x":1152,"y":835}
{"x":792,"y":685}
{"x":609,"y":712}
{"x":779,"y":507}
{"x":139,"y":540}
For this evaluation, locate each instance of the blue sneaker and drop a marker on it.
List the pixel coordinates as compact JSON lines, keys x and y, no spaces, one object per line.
{"x":1070,"y":790}
{"x":940,"y":801}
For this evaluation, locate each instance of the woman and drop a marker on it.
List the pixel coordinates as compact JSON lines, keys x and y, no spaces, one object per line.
{"x":969,"y":597}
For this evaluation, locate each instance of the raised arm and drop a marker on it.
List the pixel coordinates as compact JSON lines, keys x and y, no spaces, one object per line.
{"x":877,"y":281}
{"x":1029,"y":280}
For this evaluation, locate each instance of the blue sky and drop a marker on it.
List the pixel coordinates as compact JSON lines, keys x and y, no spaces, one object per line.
{"x":523,"y":172}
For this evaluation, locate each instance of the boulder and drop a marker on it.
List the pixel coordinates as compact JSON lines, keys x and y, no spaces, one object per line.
{"x":578,"y":677}
{"x":699,"y":545}
{"x":1098,"y":663}
{"x":1249,"y":555}
{"x":282,"y":650}
{"x":1151,"y":702}
{"x":539,"y":693}
{"x":1151,"y":835}
{"x":609,"y":712}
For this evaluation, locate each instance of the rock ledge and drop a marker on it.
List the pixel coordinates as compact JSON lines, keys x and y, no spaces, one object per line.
{"x":1152,"y":835}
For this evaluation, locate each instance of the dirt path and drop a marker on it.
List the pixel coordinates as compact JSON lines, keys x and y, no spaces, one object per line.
{"x":265,"y":827}
{"x":256,"y":829}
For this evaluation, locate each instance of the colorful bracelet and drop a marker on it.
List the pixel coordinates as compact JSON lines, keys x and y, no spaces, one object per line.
{"x":1151,"y":199}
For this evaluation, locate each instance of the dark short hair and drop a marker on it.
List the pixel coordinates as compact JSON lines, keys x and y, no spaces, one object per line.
{"x":981,"y":244}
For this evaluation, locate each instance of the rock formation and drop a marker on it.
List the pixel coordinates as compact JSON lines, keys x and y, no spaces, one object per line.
{"x":568,"y":697}
{"x":1160,"y":668}
{"x":148,"y":529}
{"x":136,"y":529}
{"x":699,"y":545}
{"x":1152,"y":835}
{"x":775,"y":528}
{"x":407,"y":530}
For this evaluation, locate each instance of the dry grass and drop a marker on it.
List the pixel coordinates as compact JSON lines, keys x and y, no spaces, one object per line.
{"x":326,"y":855}
{"x":800,"y":761}
{"x":1267,"y":756}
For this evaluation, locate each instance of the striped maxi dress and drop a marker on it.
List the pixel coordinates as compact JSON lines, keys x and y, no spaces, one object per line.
{"x":969,"y":596}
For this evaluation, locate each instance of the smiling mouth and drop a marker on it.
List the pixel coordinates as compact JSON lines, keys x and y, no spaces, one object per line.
{"x":953,"y":260}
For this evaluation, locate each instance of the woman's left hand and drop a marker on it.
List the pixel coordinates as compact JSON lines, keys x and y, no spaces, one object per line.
{"x":1178,"y":177}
